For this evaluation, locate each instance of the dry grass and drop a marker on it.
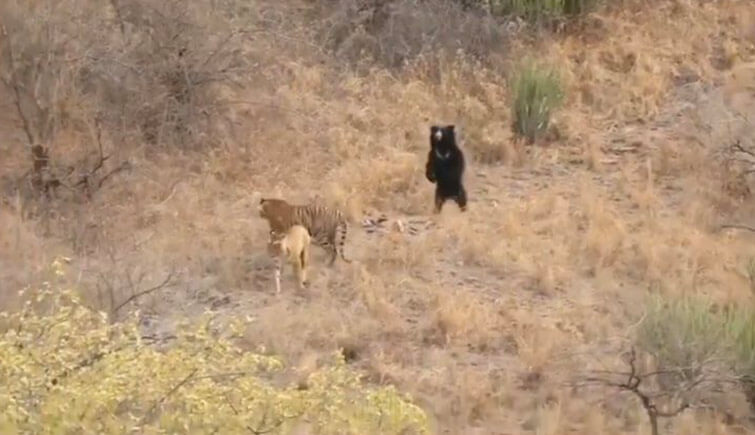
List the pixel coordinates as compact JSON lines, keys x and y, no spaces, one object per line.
{"x":483,"y":316}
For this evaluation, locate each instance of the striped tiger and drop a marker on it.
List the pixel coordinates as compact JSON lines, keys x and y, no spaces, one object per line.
{"x":326,"y":226}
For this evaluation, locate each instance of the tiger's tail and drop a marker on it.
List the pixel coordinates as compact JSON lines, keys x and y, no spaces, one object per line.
{"x":341,"y":231}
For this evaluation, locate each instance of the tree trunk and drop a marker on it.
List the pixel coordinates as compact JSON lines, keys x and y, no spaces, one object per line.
{"x":653,"y":417}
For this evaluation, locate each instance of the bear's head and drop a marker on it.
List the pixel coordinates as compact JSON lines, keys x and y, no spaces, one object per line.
{"x":442,"y":140}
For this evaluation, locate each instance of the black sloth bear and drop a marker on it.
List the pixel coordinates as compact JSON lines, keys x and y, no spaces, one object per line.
{"x":445,"y":167}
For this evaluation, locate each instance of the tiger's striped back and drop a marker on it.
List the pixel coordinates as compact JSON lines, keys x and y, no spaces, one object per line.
{"x":327,"y":226}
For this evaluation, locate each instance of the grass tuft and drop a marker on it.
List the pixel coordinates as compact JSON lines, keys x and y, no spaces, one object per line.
{"x":537,"y":93}
{"x":539,"y":9}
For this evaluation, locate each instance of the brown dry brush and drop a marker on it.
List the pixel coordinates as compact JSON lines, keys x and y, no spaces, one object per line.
{"x":131,"y":63}
{"x":39,"y":71}
{"x":139,"y":71}
{"x":175,"y":61}
{"x":394,"y":33}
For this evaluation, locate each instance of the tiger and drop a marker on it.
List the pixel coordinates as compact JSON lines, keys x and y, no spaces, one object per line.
{"x":327,"y":226}
{"x":293,"y":247}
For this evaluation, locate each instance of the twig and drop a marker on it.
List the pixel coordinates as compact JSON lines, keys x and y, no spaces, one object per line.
{"x":168,"y":394}
{"x":122,"y":167}
{"x":172,"y":192}
{"x":220,"y":45}
{"x":84,"y":180}
{"x":143,"y":293}
{"x":13,"y":84}
{"x":738,"y":227}
{"x":737,"y":147}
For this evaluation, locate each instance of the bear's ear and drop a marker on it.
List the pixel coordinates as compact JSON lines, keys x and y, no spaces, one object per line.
{"x":450,"y":127}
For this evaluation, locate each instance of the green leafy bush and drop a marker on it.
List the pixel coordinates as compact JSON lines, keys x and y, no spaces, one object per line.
{"x":67,"y":369}
{"x":537,"y":92}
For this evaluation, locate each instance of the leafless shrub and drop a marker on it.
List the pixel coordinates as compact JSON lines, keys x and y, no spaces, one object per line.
{"x":736,"y":159}
{"x":395,"y":32}
{"x":154,"y":71}
{"x":43,"y":44}
{"x":42,"y":59}
{"x":657,"y":401}
{"x":168,"y":70}
{"x":679,"y":358}
{"x":743,"y":156}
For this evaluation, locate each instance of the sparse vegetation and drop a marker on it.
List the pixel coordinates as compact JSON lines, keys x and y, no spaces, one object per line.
{"x":537,"y":92}
{"x":398,"y":33}
{"x":540,"y":9}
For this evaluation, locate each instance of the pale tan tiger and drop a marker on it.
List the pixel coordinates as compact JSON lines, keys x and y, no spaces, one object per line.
{"x":327,"y":226}
{"x":293,"y":248}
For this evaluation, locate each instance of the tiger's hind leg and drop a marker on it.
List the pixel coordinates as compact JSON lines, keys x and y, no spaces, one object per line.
{"x":333,"y":253}
{"x":328,"y":243}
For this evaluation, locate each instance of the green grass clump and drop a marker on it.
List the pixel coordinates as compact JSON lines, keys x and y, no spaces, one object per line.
{"x":740,"y":331}
{"x":538,"y":9}
{"x":537,"y":93}
{"x":682,"y":332}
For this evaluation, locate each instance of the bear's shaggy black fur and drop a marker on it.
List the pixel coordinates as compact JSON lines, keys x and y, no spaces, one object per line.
{"x":445,"y":167}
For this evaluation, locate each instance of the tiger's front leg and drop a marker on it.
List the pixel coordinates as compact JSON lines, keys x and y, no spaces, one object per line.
{"x":278,"y":267}
{"x":304,"y":262}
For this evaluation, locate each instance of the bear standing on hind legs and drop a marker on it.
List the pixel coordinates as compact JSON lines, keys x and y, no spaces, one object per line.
{"x":445,"y":167}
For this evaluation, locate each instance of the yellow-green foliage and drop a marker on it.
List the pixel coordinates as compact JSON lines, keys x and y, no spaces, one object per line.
{"x":66,"y":369}
{"x":682,"y":332}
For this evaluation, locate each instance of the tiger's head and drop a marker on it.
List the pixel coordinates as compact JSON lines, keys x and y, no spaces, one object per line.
{"x":271,"y":207}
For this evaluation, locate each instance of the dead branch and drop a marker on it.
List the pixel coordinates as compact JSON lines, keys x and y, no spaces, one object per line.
{"x":137,"y":295}
{"x":43,"y":178}
{"x":738,"y":227}
{"x":122,"y":167}
{"x":14,"y":85}
{"x":635,"y":382}
{"x":42,"y":181}
{"x":738,"y":153}
{"x":84,"y":179}
{"x":175,"y":388}
{"x":737,"y":147}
